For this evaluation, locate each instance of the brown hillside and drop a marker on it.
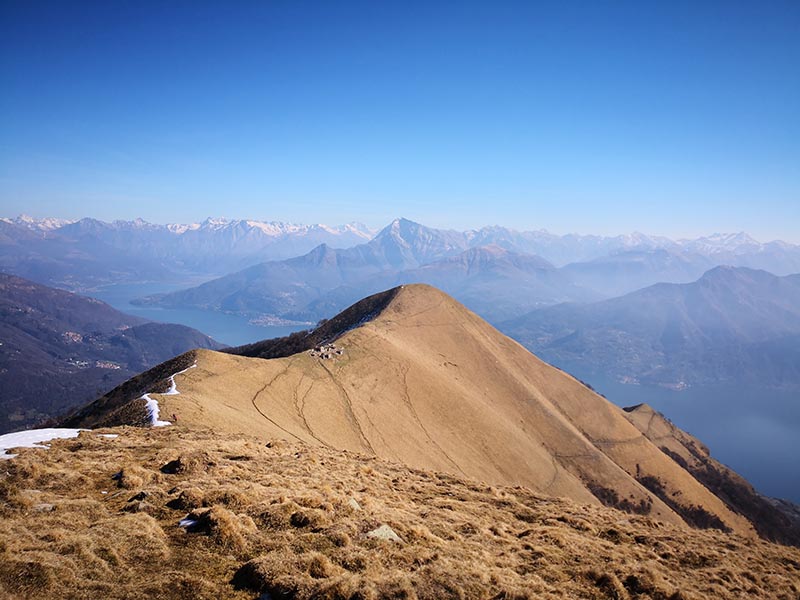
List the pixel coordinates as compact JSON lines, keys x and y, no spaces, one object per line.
{"x":428,"y":383}
{"x":94,"y":517}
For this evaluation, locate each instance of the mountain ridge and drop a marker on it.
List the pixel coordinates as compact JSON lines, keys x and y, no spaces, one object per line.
{"x":723,"y":322}
{"x":391,"y":386}
{"x":739,"y":249}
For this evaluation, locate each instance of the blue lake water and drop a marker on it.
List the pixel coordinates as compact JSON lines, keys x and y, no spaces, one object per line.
{"x":233,"y":330}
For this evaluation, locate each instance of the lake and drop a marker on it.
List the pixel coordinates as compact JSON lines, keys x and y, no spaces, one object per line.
{"x":233,"y":330}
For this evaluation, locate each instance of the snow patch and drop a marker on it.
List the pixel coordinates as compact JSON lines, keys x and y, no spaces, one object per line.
{"x":187,"y":522}
{"x":154,"y":412}
{"x":33,"y":438}
{"x":109,"y":435}
{"x":173,"y":390}
{"x":152,"y":404}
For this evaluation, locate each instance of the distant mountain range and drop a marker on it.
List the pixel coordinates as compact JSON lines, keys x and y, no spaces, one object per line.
{"x":629,"y":270}
{"x":59,"y":350}
{"x":496,"y":281}
{"x":86,"y":253}
{"x":731,"y":325}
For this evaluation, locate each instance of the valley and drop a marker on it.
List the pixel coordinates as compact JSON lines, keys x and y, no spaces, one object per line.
{"x":228,"y":328}
{"x":59,"y":350}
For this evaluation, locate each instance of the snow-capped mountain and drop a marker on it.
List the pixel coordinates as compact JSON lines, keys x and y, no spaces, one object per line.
{"x":28,"y":222}
{"x":215,"y":245}
{"x":90,"y":252}
{"x":328,"y":279}
{"x":274,"y":229}
{"x":124,"y":250}
{"x":737,"y":243}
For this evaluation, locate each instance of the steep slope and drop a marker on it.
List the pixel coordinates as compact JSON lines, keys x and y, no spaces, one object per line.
{"x":426,"y":382}
{"x":98,"y":517}
{"x":733,"y":489}
{"x":404,"y":244}
{"x":499,"y":283}
{"x":731,"y":325}
{"x":58,"y":350}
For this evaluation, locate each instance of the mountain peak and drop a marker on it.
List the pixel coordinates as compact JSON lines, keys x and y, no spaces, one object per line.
{"x":412,"y":375}
{"x":321,"y":253}
{"x":214,"y":223}
{"x":401,"y":227}
{"x":404,"y":243}
{"x":730,"y":273}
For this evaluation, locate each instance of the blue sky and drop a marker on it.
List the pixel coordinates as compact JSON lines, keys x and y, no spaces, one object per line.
{"x":675,"y":118}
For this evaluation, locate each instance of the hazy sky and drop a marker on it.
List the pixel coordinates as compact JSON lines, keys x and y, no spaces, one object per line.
{"x":676,"y":117}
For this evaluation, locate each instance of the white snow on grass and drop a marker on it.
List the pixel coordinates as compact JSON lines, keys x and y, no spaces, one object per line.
{"x":154,"y":412}
{"x":152,"y":404}
{"x":108,"y":435}
{"x":173,"y":390}
{"x":33,"y":438}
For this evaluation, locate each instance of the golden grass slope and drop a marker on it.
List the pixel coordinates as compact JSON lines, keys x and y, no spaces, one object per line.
{"x":430,"y":384}
{"x":94,"y":517}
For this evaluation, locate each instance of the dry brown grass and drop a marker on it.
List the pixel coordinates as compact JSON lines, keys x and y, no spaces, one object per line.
{"x":282,"y":519}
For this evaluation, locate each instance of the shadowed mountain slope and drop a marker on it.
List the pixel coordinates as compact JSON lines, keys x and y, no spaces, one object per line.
{"x":732,"y":324}
{"x":490,"y":280}
{"x":499,"y":283}
{"x":277,"y":287}
{"x":58,"y":350}
{"x":424,"y":381}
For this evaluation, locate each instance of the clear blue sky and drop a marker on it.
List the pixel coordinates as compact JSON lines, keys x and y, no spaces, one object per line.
{"x":679,"y":117}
